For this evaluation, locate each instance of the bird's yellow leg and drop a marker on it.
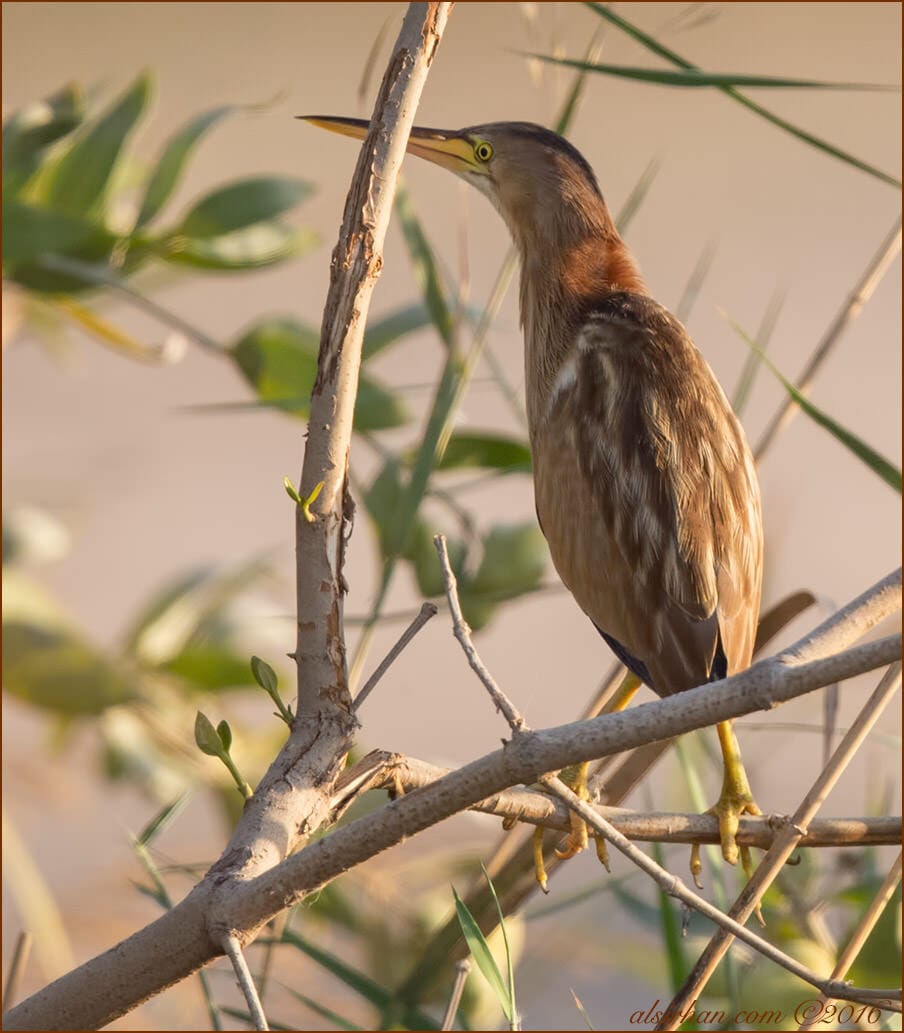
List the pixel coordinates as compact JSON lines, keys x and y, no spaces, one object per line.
{"x":736,"y":799}
{"x":576,"y":778}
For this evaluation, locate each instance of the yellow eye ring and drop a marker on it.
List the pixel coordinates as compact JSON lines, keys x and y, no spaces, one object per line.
{"x":483,"y":151}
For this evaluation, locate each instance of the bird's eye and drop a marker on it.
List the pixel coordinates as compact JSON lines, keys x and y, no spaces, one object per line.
{"x":483,"y":151}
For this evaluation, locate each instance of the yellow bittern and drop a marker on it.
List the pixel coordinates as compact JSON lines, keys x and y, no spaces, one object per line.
{"x":644,"y":484}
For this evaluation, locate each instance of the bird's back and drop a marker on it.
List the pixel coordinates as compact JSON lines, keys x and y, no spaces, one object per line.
{"x":647,"y":494}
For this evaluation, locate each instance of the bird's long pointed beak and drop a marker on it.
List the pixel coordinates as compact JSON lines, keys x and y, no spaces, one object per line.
{"x":443,"y":147}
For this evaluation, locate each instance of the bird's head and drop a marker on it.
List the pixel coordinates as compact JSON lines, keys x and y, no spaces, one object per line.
{"x":540,"y":184}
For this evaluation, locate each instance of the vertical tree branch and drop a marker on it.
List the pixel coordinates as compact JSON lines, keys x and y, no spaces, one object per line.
{"x":320,"y":646}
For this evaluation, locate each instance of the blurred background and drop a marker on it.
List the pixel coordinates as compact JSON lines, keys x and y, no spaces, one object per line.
{"x":143,"y":496}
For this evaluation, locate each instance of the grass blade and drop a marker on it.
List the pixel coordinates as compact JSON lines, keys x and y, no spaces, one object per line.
{"x":672,"y":57}
{"x":752,"y":365}
{"x":889,"y":473}
{"x":508,"y":951}
{"x":696,"y":78}
{"x":425,"y":269}
{"x":160,"y":820}
{"x":325,"y":1013}
{"x":480,"y":951}
{"x":356,"y":980}
{"x":695,"y":282}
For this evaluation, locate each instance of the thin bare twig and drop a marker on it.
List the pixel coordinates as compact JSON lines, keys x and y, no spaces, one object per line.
{"x":674,"y":887}
{"x":861,"y":293}
{"x":463,"y":633}
{"x":864,"y":927}
{"x":233,"y":950}
{"x":17,"y":966}
{"x":785,"y":843}
{"x":462,"y":968}
{"x":427,"y":611}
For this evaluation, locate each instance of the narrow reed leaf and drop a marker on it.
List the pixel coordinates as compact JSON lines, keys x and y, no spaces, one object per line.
{"x":695,"y":77}
{"x":573,"y":100}
{"x":671,"y":930}
{"x":889,"y":473}
{"x":637,"y":196}
{"x":321,"y":1009}
{"x":425,"y":269}
{"x":160,"y":820}
{"x":808,"y":138}
{"x":510,"y":964}
{"x":695,"y":282}
{"x":480,"y":951}
{"x":752,"y":365}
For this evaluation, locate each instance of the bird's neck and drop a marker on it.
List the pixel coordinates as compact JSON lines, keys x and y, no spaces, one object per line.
{"x":561,"y":283}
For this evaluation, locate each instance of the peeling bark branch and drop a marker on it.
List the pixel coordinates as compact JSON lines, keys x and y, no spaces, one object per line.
{"x":292,"y":800}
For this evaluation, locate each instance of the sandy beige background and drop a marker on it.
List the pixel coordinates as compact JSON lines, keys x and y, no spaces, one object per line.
{"x":148,"y":488}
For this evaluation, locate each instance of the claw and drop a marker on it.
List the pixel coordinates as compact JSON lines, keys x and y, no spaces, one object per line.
{"x":539,"y":864}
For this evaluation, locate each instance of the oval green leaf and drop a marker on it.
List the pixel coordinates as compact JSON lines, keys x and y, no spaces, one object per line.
{"x":166,"y":174}
{"x":279,"y":359}
{"x":263,"y":244}
{"x":207,"y":737}
{"x":78,"y":181}
{"x":241,"y":204}
{"x":490,"y":451}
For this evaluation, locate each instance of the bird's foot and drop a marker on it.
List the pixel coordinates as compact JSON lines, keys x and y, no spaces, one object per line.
{"x":579,"y":835}
{"x":735,"y":800}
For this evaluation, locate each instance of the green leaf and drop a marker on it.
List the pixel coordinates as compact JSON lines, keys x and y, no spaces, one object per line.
{"x":210,"y":668}
{"x":425,"y":270}
{"x":325,"y":1013}
{"x":675,"y":950}
{"x":265,"y":243}
{"x":242,"y":204}
{"x":243,"y":1015}
{"x":752,"y":365}
{"x":382,"y":501}
{"x":279,"y":360}
{"x":192,"y":609}
{"x":33,"y":128}
{"x":362,"y":984}
{"x":78,"y":181}
{"x":514,"y":560}
{"x":493,"y":451}
{"x":695,"y":77}
{"x":264,"y":675}
{"x":876,"y":462}
{"x":391,"y":328}
{"x":207,"y":737}
{"x":53,"y":668}
{"x":480,"y":951}
{"x":169,"y":168}
{"x":673,"y":58}
{"x":421,"y":552}
{"x":225,"y":734}
{"x":30,"y":232}
{"x":509,"y":960}
{"x":160,"y":820}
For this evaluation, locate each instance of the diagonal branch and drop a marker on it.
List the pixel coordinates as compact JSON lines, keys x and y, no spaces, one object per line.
{"x":530,"y":755}
{"x":785,"y":844}
{"x":398,"y":774}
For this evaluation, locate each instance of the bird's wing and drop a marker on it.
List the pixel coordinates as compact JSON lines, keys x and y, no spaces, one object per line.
{"x":669,"y":471}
